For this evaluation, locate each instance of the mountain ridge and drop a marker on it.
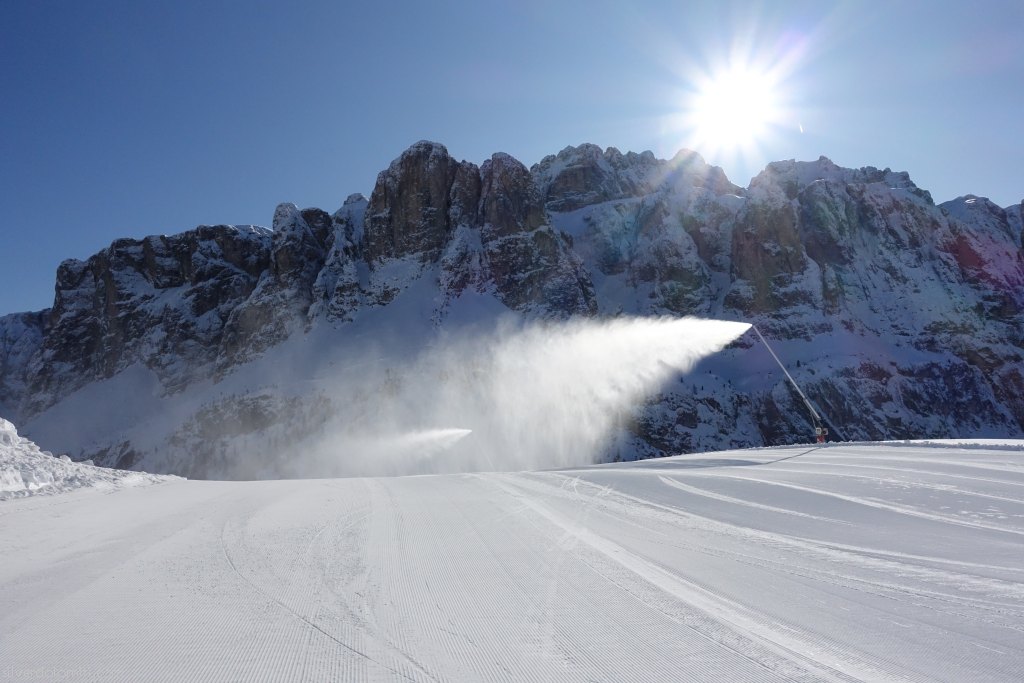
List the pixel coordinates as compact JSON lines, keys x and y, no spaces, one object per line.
{"x":914,"y":298}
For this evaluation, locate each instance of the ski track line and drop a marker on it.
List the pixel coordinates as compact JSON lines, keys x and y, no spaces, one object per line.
{"x":686,"y":617}
{"x":643,"y":654}
{"x":262,"y":652}
{"x":949,"y":488}
{"x":955,"y":604}
{"x":558,"y":597}
{"x":416,"y":597}
{"x":685,"y":621}
{"x":526,"y":596}
{"x":549,"y":630}
{"x":277,"y":577}
{"x":321,"y":566}
{"x":947,"y":475}
{"x":343,"y":569}
{"x":952,"y":605}
{"x":602,"y":497}
{"x":871,"y":587}
{"x":389,"y":539}
{"x":868,"y":502}
{"x":855,"y":557}
{"x":825,"y":661}
{"x":861,"y":550}
{"x":759,"y":562}
{"x":448,"y":592}
{"x":345,"y":544}
{"x":808,"y":460}
{"x":852,"y":548}
{"x":304,"y":596}
{"x":258,"y":648}
{"x":969,"y":464}
{"x":399,"y":655}
{"x":676,"y":484}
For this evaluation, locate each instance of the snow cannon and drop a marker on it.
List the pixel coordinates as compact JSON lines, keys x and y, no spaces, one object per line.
{"x":820,"y":431}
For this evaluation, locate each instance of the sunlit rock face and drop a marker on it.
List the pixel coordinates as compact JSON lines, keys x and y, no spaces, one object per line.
{"x":899,"y":317}
{"x":655,"y":232}
{"x":531,"y":265}
{"x":904,"y":316}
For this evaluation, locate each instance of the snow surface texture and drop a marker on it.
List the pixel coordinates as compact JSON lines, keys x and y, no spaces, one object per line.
{"x":25,"y":470}
{"x":882,"y":562}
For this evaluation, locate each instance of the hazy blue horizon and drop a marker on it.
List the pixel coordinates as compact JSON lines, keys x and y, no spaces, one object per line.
{"x":124,"y":119}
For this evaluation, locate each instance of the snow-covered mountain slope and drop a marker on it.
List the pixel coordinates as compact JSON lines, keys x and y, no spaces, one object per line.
{"x":885,"y":562}
{"x":25,"y":470}
{"x":883,"y":301}
{"x":901,"y":318}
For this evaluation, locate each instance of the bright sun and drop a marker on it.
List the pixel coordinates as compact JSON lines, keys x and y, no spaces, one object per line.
{"x":733,"y":110}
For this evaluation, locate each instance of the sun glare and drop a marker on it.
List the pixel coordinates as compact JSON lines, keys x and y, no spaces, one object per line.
{"x":733,"y":110}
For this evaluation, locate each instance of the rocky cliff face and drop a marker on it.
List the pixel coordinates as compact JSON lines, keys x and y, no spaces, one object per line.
{"x":165,"y":302}
{"x":901,"y":318}
{"x":483,"y":228}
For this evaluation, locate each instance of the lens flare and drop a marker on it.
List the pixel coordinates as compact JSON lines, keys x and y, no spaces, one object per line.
{"x":739,"y":104}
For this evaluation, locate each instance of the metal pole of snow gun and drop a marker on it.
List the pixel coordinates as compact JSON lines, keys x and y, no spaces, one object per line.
{"x":820,"y":431}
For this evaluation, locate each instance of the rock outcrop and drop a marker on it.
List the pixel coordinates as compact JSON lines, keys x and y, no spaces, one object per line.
{"x":161,"y":301}
{"x":484,"y":227}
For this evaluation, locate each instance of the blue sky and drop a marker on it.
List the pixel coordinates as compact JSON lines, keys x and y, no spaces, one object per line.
{"x":122,"y":119}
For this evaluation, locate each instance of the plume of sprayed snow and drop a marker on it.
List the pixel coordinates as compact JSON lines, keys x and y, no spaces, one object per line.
{"x":531,"y":396}
{"x":370,"y":450}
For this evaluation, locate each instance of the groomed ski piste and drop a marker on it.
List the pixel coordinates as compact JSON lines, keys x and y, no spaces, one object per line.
{"x":880,"y":562}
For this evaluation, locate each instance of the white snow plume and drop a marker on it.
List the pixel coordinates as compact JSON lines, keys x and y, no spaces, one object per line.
{"x":531,"y":396}
{"x":348,"y":452}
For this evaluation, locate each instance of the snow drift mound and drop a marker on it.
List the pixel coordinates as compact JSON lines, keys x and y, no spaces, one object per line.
{"x":26,"y":470}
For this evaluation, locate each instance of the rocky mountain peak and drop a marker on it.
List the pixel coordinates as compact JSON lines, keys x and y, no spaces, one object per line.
{"x":407,"y":210}
{"x":972,"y":208}
{"x":792,"y":177}
{"x":906,"y":316}
{"x":354,"y":198}
{"x":585,"y":175}
{"x":589,"y":153}
{"x":155,"y":301}
{"x":509,"y":201}
{"x":689,"y":169}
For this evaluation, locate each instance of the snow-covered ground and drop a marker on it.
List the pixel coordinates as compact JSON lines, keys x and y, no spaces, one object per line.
{"x":25,"y":470}
{"x":900,"y":562}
